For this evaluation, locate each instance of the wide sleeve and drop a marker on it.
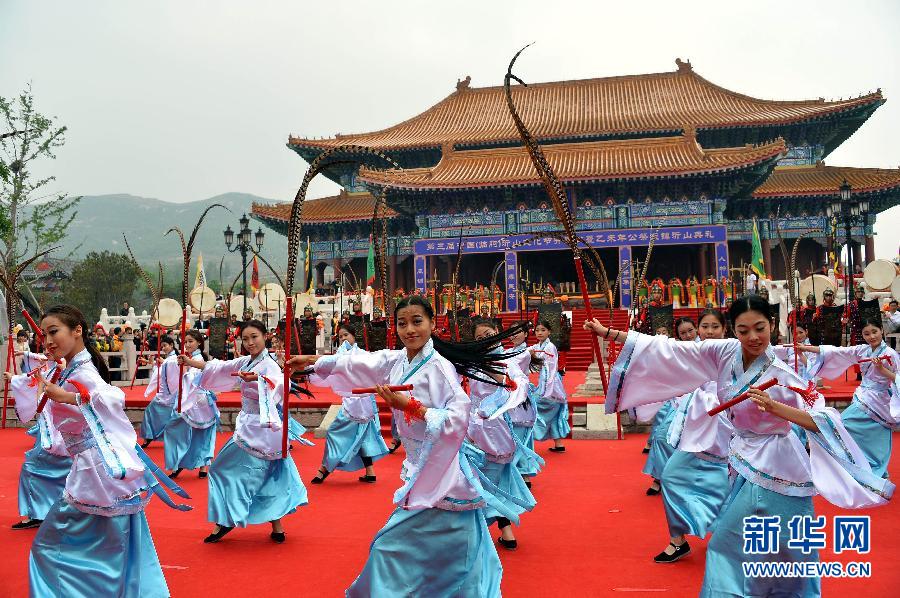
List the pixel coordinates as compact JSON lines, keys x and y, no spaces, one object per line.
{"x":499,"y":403}
{"x":192,"y":391}
{"x":24,"y":391}
{"x":153,"y":382}
{"x":650,"y":369}
{"x":217,"y":374}
{"x":438,"y":466}
{"x":692,"y":429}
{"x":32,"y":360}
{"x":834,"y":361}
{"x":270,"y":387}
{"x":840,"y":470}
{"x":347,"y":371}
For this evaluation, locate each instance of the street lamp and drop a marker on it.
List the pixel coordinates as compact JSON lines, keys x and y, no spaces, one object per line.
{"x":243,"y":244}
{"x":844,"y":207}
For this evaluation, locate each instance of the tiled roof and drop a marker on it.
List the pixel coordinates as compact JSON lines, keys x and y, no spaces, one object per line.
{"x":822,"y":180}
{"x":591,"y":161}
{"x":346,"y":207}
{"x":589,"y":108}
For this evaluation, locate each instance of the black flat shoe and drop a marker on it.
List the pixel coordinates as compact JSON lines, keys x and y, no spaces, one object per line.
{"x":681,"y":551}
{"x":175,"y":473}
{"x":528,"y":484}
{"x":30,"y":524}
{"x":651,"y":491}
{"x":277,"y":537}
{"x":146,"y":443}
{"x":368,"y":479}
{"x":645,"y":450}
{"x":394,"y":446}
{"x":558,"y":449}
{"x":203,"y":474}
{"x":508,"y":544}
{"x":216,"y":536}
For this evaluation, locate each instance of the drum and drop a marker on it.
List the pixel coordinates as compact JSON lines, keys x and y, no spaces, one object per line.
{"x":168,"y":312}
{"x":879,"y":275}
{"x":895,"y":288}
{"x":239,"y":303}
{"x":271,"y":297}
{"x":203,"y":299}
{"x":817,"y":282}
{"x":301,"y":300}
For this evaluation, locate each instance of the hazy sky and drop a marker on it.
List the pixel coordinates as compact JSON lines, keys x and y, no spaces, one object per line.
{"x":182,"y":100}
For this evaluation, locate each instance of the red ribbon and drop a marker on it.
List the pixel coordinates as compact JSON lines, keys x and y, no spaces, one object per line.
{"x":411,"y":411}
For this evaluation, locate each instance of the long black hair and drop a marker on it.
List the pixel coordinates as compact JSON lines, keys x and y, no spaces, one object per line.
{"x":715,"y":313}
{"x":749,"y":303}
{"x":72,"y":317}
{"x":679,"y":322}
{"x":473,"y":359}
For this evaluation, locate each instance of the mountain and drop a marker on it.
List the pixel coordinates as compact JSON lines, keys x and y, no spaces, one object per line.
{"x":102,"y":219}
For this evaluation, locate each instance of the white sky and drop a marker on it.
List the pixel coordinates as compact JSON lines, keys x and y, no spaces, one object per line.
{"x":182,"y":100}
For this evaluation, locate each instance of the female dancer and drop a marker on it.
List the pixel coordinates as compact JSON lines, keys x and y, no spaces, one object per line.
{"x":552,"y":409}
{"x":95,"y":540}
{"x":353,"y":440}
{"x":660,"y":449}
{"x":524,"y":416}
{"x":190,"y":437}
{"x":774,"y":475}
{"x":490,"y":432}
{"x":436,"y":542}
{"x":43,"y":475}
{"x":163,"y":382}
{"x":868,"y":418}
{"x":250,"y":482}
{"x":806,"y":367}
{"x":695,"y":478}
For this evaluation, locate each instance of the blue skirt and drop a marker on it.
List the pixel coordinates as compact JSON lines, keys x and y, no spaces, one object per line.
{"x":660,"y":449}
{"x":693,"y":492}
{"x":347,"y":441}
{"x":41,"y":481}
{"x":76,"y":554}
{"x":156,"y":418}
{"x":527,"y":466}
{"x":507,"y":478}
{"x":800,"y":431}
{"x":873,"y":439}
{"x":187,"y":447}
{"x":552,"y":420}
{"x":431,"y":552}
{"x":724,"y":575}
{"x":244,"y":489}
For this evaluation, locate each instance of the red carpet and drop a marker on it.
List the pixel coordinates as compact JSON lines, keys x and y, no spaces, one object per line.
{"x":593,"y":534}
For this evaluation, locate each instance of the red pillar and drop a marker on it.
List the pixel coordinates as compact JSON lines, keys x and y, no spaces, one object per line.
{"x":704,"y":261}
{"x":870,"y":249}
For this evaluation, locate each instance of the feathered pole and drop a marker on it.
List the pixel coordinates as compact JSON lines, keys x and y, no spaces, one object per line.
{"x":337,"y":155}
{"x":9,"y":277}
{"x":789,"y":276}
{"x":155,"y":294}
{"x":560,"y":203}
{"x":186,"y":249}
{"x":454,"y":284}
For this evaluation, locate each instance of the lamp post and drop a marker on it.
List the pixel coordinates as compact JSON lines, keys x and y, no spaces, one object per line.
{"x":844,"y":207}
{"x":243,"y":245}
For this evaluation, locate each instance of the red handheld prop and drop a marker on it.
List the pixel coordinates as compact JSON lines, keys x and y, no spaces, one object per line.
{"x":887,"y":358}
{"x":53,"y":380}
{"x":34,"y":327}
{"x":741,"y":397}
{"x":372,"y":390}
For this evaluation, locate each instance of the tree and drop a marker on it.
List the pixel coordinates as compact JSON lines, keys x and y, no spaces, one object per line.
{"x":32,"y":219}
{"x":101,"y":280}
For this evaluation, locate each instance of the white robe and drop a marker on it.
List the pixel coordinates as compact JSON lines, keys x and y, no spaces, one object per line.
{"x":359,"y":408}
{"x":550,"y":385}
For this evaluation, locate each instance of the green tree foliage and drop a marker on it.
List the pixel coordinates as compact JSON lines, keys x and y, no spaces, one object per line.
{"x":101,"y":280}
{"x":34,"y":219}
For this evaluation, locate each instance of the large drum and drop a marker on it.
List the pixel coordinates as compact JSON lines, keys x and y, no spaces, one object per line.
{"x":203,"y":299}
{"x":239,"y":303}
{"x":879,"y":275}
{"x":816,"y":284}
{"x":895,"y":288}
{"x":271,"y":297}
{"x":168,"y":312}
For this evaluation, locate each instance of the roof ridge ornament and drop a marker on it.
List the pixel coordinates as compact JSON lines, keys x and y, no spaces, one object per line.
{"x":463,"y":84}
{"x":684,"y":66}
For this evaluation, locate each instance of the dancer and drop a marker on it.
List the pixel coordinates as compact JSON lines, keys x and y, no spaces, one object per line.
{"x":868,"y":418}
{"x":95,"y":541}
{"x":774,"y":475}
{"x":806,"y":366}
{"x":250,"y":481}
{"x":524,"y":416}
{"x":353,"y":440}
{"x":694,"y":480}
{"x":490,"y":434}
{"x":660,"y":449}
{"x":190,"y":436}
{"x":42,"y":478}
{"x":163,"y":385}
{"x":552,"y":409}
{"x":436,"y":542}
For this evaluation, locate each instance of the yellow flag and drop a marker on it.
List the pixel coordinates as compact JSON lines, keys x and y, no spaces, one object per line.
{"x":200,"y":279}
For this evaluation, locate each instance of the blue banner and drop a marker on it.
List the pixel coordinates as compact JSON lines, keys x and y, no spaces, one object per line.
{"x":673,"y":235}
{"x":625,"y":276}
{"x":421,"y":273}
{"x":512,"y":281}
